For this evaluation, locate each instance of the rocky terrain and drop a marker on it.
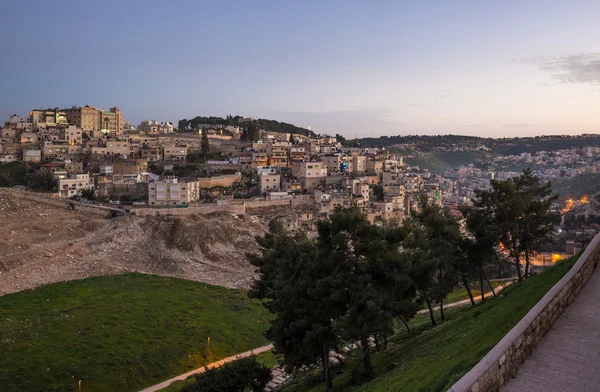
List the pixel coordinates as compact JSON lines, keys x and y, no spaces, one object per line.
{"x":41,"y":244}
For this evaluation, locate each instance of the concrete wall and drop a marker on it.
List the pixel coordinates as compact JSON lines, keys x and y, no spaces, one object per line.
{"x":503,"y":361}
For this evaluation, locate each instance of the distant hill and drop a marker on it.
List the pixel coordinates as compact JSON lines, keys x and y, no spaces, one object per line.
{"x":504,"y":146}
{"x":239,"y":121}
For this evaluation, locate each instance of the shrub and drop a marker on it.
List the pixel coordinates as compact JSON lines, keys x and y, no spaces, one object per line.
{"x":239,"y":376}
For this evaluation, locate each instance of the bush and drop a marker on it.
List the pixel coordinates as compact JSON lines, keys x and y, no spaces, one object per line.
{"x":239,"y":376}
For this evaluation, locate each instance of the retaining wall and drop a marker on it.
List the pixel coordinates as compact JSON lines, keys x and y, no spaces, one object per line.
{"x":503,"y":361}
{"x":197,"y":210}
{"x":58,"y":202}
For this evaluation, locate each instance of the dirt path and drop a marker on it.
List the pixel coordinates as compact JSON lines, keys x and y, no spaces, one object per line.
{"x":223,"y":361}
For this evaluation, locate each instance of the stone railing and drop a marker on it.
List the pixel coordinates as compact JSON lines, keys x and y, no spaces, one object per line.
{"x":503,"y":361}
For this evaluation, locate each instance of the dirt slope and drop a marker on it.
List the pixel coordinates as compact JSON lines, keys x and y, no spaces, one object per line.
{"x":41,"y":244}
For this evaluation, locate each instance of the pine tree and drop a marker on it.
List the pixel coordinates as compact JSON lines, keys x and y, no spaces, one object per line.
{"x":205,"y":144}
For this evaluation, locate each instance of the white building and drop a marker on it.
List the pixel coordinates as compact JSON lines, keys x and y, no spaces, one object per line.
{"x":154,"y":127}
{"x":270,"y":182}
{"x":169,"y":191}
{"x":74,"y":185}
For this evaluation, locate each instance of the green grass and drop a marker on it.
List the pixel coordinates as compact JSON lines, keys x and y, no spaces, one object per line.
{"x":460,"y":294}
{"x":432,"y":359}
{"x":121,"y":333}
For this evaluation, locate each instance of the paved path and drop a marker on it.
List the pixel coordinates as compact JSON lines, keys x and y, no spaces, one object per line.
{"x":468,"y":301}
{"x":223,"y":361}
{"x":568,"y":357}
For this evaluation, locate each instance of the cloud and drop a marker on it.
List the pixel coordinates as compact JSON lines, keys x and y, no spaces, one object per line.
{"x":581,"y":68}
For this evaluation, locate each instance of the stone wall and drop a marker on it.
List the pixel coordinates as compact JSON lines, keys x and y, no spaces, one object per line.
{"x":503,"y":361}
{"x":58,"y":202}
{"x":195,"y":210}
{"x":234,"y":207}
{"x":224,"y":181}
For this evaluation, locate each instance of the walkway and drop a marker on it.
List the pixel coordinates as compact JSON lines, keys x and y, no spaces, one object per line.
{"x":211,"y":365}
{"x":463,"y":302}
{"x":568,"y":357}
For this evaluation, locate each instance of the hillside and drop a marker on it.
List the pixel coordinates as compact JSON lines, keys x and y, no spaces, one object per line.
{"x":439,"y":162}
{"x":268,"y":125}
{"x":41,"y":244}
{"x":575,"y":188}
{"x":503,"y":146}
{"x":121,"y":333}
{"x":432,"y":359}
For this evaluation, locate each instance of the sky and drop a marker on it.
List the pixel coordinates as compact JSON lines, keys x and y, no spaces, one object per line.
{"x":358,"y":68}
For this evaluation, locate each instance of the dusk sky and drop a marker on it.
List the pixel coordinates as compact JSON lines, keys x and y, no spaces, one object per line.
{"x":488,"y":68}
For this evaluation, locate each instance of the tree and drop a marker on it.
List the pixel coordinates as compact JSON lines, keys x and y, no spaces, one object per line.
{"x":437,"y":236}
{"x":352,"y":281}
{"x":42,"y":180}
{"x":518,"y":212}
{"x":374,"y":274}
{"x":205,"y":144}
{"x":292,"y":140}
{"x":485,"y":237}
{"x":89,"y":194}
{"x":246,"y":374}
{"x":183,"y":125}
{"x":4,"y":180}
{"x":305,"y":293}
{"x":537,"y":222}
{"x":252,"y":132}
{"x":378,"y":192}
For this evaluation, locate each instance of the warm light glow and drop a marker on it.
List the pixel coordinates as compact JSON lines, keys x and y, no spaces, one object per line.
{"x":556,"y":257}
{"x":584,"y":200}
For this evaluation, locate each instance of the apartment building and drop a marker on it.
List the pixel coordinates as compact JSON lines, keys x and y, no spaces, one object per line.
{"x":374,"y":167}
{"x":112,"y":147}
{"x":277,"y":153}
{"x":359,"y":164}
{"x":72,"y":135}
{"x":312,"y":174}
{"x":33,"y":155}
{"x":155,"y":127}
{"x":43,"y":118}
{"x":170,"y":191}
{"x":270,"y":182}
{"x":92,"y":120}
{"x":87,"y":118}
{"x":112,"y":121}
{"x":74,"y":185}
{"x":332,"y":162}
{"x":175,"y":153}
{"x":392,"y":177}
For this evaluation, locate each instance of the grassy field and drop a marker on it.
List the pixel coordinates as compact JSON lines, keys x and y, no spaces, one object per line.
{"x":432,"y":359}
{"x":120,"y":333}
